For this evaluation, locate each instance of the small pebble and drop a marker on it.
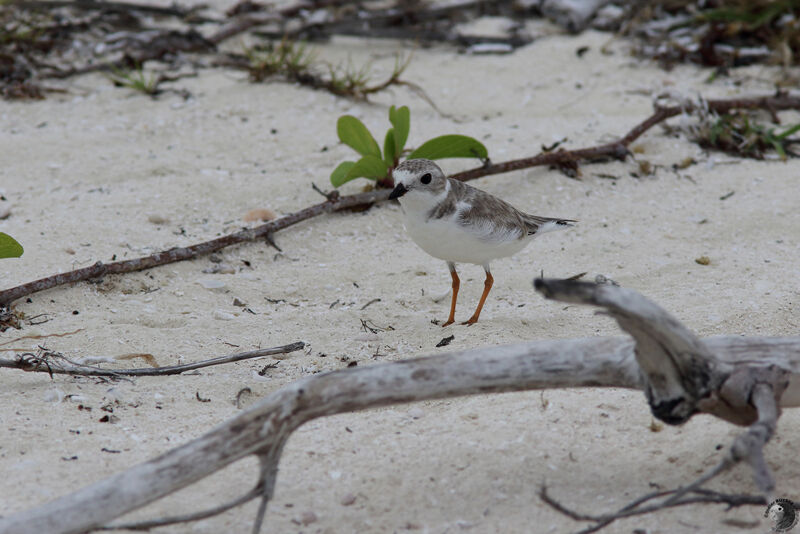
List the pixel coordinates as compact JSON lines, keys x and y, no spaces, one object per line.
{"x":209,"y":283}
{"x":69,"y":250}
{"x":225,"y":268}
{"x":222,"y":315}
{"x":305,"y":519}
{"x":490,"y":48}
{"x":157,"y":219}
{"x":237,"y":302}
{"x":348,"y":499}
{"x":703,"y":260}
{"x":5,"y":210}
{"x":54,"y":395}
{"x":115,"y":394}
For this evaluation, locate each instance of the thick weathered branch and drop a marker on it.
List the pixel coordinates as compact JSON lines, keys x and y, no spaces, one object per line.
{"x":616,"y":149}
{"x":264,"y":428}
{"x":682,"y":377}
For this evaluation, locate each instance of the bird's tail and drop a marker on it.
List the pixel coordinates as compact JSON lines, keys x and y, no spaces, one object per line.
{"x":540,"y":225}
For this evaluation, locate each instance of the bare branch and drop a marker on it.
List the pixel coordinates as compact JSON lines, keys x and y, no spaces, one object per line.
{"x":49,"y":362}
{"x":682,"y":377}
{"x":188,"y":518}
{"x":698,"y":496}
{"x":617,"y":149}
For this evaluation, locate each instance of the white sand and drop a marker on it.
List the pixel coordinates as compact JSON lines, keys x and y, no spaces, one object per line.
{"x":84,"y":171}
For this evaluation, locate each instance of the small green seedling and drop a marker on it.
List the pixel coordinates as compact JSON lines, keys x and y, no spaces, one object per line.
{"x":9,"y":247}
{"x":135,"y":79}
{"x":286,"y":57}
{"x":376,"y":166}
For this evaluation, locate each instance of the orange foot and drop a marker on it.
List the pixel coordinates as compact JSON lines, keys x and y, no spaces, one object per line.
{"x":471,"y":322}
{"x":448,"y":323}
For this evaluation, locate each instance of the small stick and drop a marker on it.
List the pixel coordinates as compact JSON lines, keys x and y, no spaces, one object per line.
{"x":30,"y":362}
{"x":32,"y":336}
{"x":173,"y":10}
{"x":373,"y":301}
{"x":188,"y":518}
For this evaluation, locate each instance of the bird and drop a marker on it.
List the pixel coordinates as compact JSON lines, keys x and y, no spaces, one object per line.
{"x":458,"y":223}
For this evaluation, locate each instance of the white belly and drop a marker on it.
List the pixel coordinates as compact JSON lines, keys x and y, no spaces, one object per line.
{"x":445,"y":240}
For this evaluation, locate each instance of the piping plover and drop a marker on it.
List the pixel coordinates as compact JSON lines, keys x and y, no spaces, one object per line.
{"x":457,"y":223}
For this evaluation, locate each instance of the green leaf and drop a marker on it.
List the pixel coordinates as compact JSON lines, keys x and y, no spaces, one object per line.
{"x":368,"y":167}
{"x":789,"y":131}
{"x":389,"y":153}
{"x":339,"y":174}
{"x":9,"y":247}
{"x":450,"y":146}
{"x":401,"y":120}
{"x":354,"y":134}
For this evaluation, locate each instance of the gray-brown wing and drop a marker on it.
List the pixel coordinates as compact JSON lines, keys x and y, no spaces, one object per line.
{"x":487,"y":217}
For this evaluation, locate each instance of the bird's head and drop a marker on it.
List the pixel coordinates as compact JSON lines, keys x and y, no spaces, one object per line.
{"x":418,"y":176}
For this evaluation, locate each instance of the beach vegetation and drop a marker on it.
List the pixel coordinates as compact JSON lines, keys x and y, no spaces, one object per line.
{"x":377,"y":165}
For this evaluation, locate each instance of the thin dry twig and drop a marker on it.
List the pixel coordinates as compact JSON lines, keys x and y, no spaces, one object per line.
{"x":36,"y":336}
{"x":618,"y":149}
{"x":50,"y":362}
{"x":696,"y":496}
{"x":254,"y":493}
{"x":174,"y":10}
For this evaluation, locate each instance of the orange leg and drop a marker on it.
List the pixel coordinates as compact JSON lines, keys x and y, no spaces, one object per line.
{"x":487,"y":286}
{"x":456,"y":284}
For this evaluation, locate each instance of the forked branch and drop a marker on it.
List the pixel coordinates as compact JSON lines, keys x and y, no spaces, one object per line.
{"x":683,"y":377}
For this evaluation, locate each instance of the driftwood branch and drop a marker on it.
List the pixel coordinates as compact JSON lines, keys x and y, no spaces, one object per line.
{"x":616,"y":149}
{"x":56,"y":364}
{"x":264,"y":428}
{"x":683,"y":377}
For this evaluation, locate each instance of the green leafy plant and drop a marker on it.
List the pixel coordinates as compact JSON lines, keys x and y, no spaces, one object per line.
{"x":738,"y":133}
{"x":378,"y":166}
{"x":9,"y":247}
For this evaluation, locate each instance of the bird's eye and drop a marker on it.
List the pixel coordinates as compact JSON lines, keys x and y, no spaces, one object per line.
{"x":426,"y":178}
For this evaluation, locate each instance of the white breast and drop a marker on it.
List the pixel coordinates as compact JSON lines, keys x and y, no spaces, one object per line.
{"x":448,"y":240}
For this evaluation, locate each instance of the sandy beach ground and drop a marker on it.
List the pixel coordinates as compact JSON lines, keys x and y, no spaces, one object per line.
{"x":87,"y":172}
